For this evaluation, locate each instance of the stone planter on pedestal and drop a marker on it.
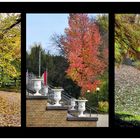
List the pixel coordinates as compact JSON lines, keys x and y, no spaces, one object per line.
{"x":37,"y":86}
{"x":81,"y":107}
{"x":57,"y":96}
{"x":72,"y":103}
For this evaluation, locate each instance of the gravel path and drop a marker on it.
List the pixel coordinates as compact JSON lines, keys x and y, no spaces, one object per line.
{"x":10,"y":108}
{"x":103,"y":120}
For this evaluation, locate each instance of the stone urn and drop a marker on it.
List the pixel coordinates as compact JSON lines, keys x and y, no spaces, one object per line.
{"x":57,"y":96}
{"x":81,"y":107}
{"x":37,"y":86}
{"x":72,"y":103}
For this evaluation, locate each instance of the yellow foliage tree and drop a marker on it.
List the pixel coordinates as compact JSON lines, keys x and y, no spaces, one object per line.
{"x":10,"y":46}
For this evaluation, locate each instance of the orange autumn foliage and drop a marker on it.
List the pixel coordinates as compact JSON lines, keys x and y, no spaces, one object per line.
{"x":82,"y":47}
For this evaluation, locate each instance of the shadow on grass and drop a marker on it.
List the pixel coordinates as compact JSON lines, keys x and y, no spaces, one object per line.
{"x":121,"y":122}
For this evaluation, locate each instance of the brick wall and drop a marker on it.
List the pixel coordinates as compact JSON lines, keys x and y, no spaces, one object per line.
{"x":38,"y":116}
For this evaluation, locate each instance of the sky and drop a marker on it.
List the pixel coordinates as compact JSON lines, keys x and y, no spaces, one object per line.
{"x":41,"y":27}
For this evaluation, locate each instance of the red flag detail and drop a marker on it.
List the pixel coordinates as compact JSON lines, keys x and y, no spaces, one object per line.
{"x":45,"y":78}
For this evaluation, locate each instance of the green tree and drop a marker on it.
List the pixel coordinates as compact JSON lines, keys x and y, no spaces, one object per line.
{"x":102,"y":21}
{"x":33,"y":59}
{"x":127,"y":33}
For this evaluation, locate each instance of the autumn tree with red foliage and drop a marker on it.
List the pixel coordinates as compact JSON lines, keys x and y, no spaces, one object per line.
{"x":82,"y":46}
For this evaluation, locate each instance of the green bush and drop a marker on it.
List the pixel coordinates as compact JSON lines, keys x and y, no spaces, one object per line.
{"x":10,"y":85}
{"x":92,"y":99}
{"x":103,"y":106}
{"x":95,"y":98}
{"x":137,"y":64}
{"x":103,"y":94}
{"x":10,"y":89}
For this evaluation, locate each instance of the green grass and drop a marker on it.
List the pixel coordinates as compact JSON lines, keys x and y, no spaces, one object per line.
{"x":125,"y":119}
{"x":128,"y":117}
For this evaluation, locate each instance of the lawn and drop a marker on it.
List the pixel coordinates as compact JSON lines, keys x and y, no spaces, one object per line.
{"x":10,"y":109}
{"x":125,"y":119}
{"x":127,"y":95}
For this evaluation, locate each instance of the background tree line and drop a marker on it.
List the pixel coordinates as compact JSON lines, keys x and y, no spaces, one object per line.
{"x":56,"y":67}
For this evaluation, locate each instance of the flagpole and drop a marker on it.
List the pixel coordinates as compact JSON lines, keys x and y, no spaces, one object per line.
{"x":39,"y":62}
{"x":27,"y":78}
{"x":46,"y":76}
